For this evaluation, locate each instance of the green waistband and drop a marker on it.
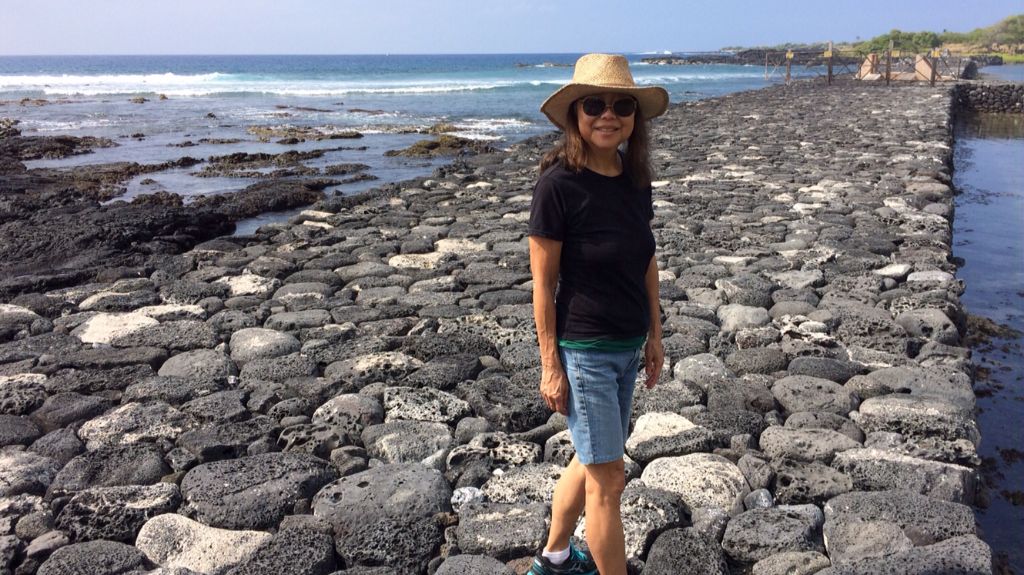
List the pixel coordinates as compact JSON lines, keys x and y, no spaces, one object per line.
{"x":604,"y":344}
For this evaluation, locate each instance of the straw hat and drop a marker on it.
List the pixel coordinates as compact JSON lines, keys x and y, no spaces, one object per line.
{"x":597,"y":74}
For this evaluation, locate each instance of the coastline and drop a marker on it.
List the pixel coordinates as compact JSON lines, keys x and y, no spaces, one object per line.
{"x":805,"y":248}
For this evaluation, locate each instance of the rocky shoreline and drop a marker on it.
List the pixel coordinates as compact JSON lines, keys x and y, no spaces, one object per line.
{"x":354,"y":392}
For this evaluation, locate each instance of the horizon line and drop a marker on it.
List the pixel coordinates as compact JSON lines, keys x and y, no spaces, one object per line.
{"x":635,"y":52}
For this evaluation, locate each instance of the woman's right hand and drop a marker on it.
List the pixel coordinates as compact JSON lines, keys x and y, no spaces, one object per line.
{"x":554,"y":389}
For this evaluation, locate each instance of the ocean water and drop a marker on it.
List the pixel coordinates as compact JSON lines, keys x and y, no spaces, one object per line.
{"x":488,"y":97}
{"x":988,"y":234}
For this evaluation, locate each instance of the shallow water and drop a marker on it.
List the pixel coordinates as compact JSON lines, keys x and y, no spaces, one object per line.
{"x":989,"y":235}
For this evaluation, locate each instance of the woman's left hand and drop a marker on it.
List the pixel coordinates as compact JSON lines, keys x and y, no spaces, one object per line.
{"x":654,"y":358}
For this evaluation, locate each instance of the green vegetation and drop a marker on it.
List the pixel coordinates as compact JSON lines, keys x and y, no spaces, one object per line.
{"x":1008,"y":31}
{"x":1005,"y":38}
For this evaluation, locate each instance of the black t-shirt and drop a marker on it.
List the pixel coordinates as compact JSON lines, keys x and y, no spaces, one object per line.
{"x":604,"y":226}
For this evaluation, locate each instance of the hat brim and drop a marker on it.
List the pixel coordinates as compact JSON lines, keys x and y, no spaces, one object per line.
{"x":653,"y":100}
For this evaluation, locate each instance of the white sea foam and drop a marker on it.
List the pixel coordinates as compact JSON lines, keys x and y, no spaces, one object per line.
{"x":196,"y":85}
{"x":63,"y":126}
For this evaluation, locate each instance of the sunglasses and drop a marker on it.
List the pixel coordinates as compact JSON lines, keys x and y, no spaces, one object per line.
{"x":623,"y":108}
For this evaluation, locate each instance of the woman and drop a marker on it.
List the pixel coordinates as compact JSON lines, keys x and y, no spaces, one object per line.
{"x":590,"y":237}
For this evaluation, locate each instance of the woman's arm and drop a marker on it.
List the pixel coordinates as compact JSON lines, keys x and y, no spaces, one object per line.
{"x":545,"y":255}
{"x":654,"y":352}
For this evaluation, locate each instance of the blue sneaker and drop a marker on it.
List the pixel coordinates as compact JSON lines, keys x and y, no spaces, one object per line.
{"x":579,"y":563}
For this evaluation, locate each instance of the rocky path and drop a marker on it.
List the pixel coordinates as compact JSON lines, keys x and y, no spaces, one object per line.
{"x":355,"y":392}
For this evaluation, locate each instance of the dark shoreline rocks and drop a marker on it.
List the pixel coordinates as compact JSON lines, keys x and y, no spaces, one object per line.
{"x":357,"y":387}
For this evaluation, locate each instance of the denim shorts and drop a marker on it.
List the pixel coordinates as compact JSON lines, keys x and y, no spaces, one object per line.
{"x":600,"y":400}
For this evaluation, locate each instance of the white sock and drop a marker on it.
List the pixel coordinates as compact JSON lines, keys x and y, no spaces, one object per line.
{"x":556,"y":557}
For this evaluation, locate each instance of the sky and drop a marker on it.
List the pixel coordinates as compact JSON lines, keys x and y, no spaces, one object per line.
{"x":463,"y":26}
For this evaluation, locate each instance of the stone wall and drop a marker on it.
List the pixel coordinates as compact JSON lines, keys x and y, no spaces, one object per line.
{"x":979,"y":97}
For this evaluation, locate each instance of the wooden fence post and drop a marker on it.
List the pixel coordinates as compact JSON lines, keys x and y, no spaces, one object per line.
{"x":828,"y":58}
{"x":888,"y":63}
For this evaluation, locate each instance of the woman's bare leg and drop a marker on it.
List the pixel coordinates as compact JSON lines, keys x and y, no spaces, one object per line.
{"x":604,"y":485}
{"x":567,"y":505}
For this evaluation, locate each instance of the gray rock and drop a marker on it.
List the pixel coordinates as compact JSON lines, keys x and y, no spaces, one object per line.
{"x":469,"y":427}
{"x":734,"y":317}
{"x":510,"y":405}
{"x":874,"y":469}
{"x":182,"y":335}
{"x":758,"y":473}
{"x":503,"y":449}
{"x":825,"y":420}
{"x":798,"y":483}
{"x":792,"y":563}
{"x":404,"y":546}
{"x":403,"y":491}
{"x":646,"y":512}
{"x":61,"y":445}
{"x":258,"y":343}
{"x":917,"y":417}
{"x":445,"y":372}
{"x":291,"y":552}
{"x":558,"y":449}
{"x":725,"y":424}
{"x":9,"y":547}
{"x":134,"y":423}
{"x":174,"y":541}
{"x":790,"y":308}
{"x":64,"y":409}
{"x":701,"y":369}
{"x":430,"y":345}
{"x":853,"y":541}
{"x":685,"y":551}
{"x":756,"y":360}
{"x":825,"y":368}
{"x":389,"y":366}
{"x":803,"y":393}
{"x":473,"y":565}
{"x":759,"y":533}
{"x":503,"y":531}
{"x":218,"y":407}
{"x":423,"y":405}
{"x":805,"y":444}
{"x":700,"y":480}
{"x":407,"y":441}
{"x":227,"y":440}
{"x":961,"y":555}
{"x":173,"y":390}
{"x":739,"y":396}
{"x":662,"y":434}
{"x":21,"y":394}
{"x":33,"y":525}
{"x":670,"y":395}
{"x":94,"y":558}
{"x":25,"y":472}
{"x":312,"y":438}
{"x":533,"y":482}
{"x":132,"y":464}
{"x":252,"y":492}
{"x":934,"y":382}
{"x":116,"y":513}
{"x":279,"y":369}
{"x":925,"y":520}
{"x":296,"y":320}
{"x":930,"y":324}
{"x":350,"y":413}
{"x":203,"y":364}
{"x":758,"y":499}
{"x":17,"y":430}
{"x":311,"y":291}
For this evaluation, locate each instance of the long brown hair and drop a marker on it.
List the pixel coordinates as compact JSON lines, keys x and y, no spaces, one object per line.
{"x":571,"y":151}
